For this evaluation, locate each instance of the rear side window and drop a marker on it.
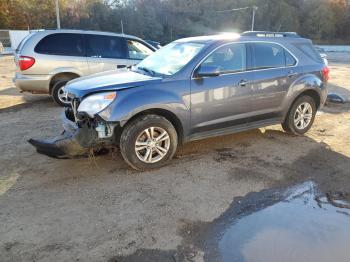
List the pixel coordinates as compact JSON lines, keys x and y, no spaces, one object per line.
{"x":21,"y":44}
{"x":290,"y":60}
{"x":268,"y":55}
{"x":137,"y":50}
{"x":229,"y":58}
{"x":65,"y":44}
{"x":309,"y":50}
{"x":103,"y":46}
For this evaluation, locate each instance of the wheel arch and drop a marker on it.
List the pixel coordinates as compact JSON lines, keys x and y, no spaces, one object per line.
{"x":313,"y":94}
{"x":170,"y":116}
{"x":309,"y":92}
{"x":62,"y":75}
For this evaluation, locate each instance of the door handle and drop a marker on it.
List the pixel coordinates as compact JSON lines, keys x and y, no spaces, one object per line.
{"x":243,"y":82}
{"x":121,"y":66}
{"x":291,"y":74}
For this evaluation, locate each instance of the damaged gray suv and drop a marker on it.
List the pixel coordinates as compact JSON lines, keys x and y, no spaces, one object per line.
{"x":192,"y":89}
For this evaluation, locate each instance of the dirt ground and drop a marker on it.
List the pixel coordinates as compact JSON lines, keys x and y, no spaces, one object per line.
{"x":99,"y":209}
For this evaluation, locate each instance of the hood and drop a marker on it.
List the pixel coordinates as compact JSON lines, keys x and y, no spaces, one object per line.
{"x":110,"y":80}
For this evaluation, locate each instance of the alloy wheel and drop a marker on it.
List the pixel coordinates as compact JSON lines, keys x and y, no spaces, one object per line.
{"x":303,"y":116}
{"x":62,"y":95}
{"x":152,"y":145}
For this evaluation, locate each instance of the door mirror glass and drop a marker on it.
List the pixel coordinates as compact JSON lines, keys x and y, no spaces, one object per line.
{"x":206,"y":70}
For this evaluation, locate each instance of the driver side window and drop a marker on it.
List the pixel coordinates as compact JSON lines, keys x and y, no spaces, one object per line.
{"x":138,"y":51}
{"x":228,"y":59}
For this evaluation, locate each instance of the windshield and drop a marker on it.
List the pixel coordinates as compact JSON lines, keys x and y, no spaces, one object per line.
{"x":169,"y":59}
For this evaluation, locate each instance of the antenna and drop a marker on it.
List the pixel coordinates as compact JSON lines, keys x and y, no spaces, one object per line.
{"x":255,"y":8}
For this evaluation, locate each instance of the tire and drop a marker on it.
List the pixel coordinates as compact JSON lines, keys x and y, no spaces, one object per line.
{"x":135,"y":131}
{"x":297,"y":123}
{"x":57,"y":94}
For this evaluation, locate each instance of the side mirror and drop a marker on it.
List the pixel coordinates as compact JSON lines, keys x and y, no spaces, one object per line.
{"x":210,"y":71}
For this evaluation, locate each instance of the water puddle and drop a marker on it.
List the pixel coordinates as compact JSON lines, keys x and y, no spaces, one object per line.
{"x":302,"y":225}
{"x":296,"y":224}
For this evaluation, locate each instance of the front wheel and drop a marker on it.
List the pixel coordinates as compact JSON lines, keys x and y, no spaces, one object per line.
{"x":148,"y":142}
{"x":300,"y":116}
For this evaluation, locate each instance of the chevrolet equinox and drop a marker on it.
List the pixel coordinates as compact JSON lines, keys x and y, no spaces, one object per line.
{"x":191,"y":89}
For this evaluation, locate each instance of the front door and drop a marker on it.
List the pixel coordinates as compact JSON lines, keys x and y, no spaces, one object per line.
{"x":222,"y":101}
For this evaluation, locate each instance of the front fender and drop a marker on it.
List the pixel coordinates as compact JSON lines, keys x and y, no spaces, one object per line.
{"x":132,"y":101}
{"x":303,"y":84}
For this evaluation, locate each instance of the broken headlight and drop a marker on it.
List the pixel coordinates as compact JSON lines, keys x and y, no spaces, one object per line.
{"x":95,"y":103}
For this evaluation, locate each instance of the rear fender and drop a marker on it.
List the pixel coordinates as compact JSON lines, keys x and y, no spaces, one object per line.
{"x":72,"y":70}
{"x":301,"y":85}
{"x":65,"y":70}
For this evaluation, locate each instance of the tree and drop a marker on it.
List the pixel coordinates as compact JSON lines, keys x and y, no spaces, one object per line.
{"x":166,"y":20}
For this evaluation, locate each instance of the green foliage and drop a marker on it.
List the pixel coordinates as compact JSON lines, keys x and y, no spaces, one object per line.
{"x":166,"y":20}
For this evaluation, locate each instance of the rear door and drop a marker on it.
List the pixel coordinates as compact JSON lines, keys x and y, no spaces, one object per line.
{"x":222,"y":101}
{"x":105,"y":52}
{"x":270,"y":83}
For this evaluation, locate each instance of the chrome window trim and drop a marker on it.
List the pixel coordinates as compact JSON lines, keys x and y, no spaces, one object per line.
{"x":245,"y":71}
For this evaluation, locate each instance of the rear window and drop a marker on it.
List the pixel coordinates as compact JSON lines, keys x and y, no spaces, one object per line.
{"x":268,"y":55}
{"x":103,"y":46}
{"x":61,"y":44}
{"x":309,"y":50}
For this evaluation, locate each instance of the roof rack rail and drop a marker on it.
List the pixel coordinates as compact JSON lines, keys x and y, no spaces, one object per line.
{"x":270,"y":34}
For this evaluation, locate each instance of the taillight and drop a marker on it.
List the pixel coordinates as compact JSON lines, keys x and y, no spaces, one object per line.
{"x":325,"y":73}
{"x":25,"y":62}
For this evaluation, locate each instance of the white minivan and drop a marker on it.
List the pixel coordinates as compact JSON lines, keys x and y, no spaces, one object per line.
{"x":48,"y":59}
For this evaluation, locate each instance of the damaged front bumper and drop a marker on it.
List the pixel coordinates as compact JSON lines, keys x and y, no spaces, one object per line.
{"x":81,"y":136}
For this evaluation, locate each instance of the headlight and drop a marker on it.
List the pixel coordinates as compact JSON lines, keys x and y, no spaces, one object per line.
{"x":94,"y":104}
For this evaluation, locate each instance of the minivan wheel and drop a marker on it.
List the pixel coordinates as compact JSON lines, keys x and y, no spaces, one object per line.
{"x":148,"y":142}
{"x":59,"y":95}
{"x":300,"y":116}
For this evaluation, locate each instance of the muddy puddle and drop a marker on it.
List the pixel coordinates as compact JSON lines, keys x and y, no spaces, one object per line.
{"x":295,"y":224}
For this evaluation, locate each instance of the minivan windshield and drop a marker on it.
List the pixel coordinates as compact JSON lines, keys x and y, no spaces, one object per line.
{"x":170,"y":59}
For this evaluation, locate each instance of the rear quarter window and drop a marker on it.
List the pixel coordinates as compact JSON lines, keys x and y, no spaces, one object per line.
{"x":22,"y":43}
{"x":66,"y":44}
{"x":309,"y":50}
{"x":290,"y":60}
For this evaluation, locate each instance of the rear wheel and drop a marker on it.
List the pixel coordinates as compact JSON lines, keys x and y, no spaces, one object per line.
{"x":300,"y":116}
{"x":58,"y":93}
{"x":148,"y":142}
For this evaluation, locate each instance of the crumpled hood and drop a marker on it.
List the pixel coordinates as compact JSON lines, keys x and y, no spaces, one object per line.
{"x":105,"y":81}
